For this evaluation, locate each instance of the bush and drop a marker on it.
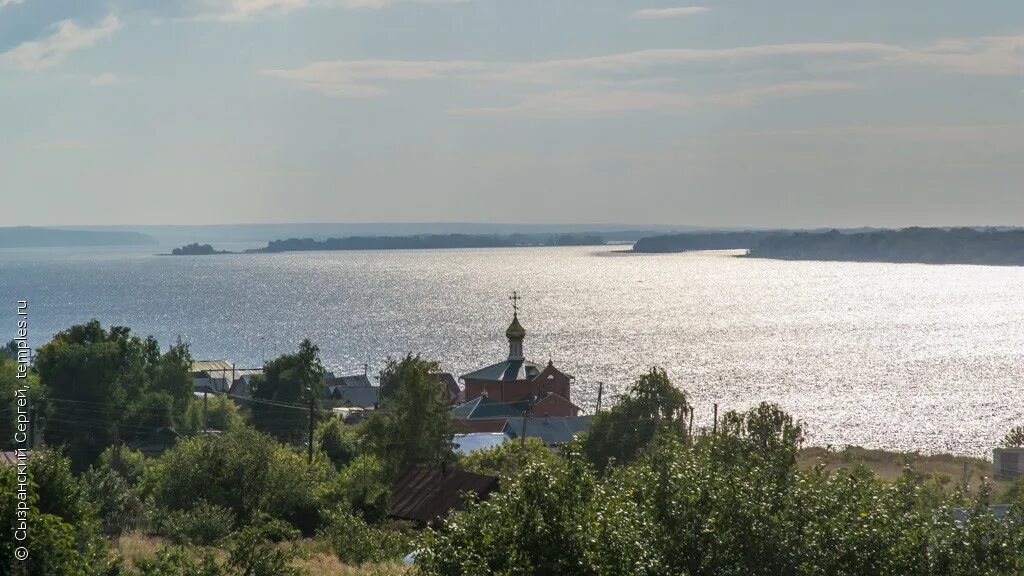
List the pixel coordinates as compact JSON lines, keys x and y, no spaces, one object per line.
{"x":353,"y":541}
{"x":63,"y":534}
{"x":243,"y":471}
{"x":727,"y":504}
{"x":364,"y":487}
{"x":205,"y":524}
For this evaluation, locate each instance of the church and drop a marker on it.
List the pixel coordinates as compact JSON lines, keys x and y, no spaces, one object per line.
{"x":543,"y":389}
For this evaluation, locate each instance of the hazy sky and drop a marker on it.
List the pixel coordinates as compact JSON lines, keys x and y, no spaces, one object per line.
{"x":716,"y":112}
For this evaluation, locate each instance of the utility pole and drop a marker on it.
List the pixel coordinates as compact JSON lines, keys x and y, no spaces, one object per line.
{"x":715,"y":429}
{"x":600,"y":390}
{"x":204,"y":409}
{"x":526,"y":417}
{"x":312,"y":400}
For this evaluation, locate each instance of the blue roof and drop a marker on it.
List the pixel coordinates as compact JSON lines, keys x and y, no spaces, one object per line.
{"x":552,"y":430}
{"x":466,"y":443}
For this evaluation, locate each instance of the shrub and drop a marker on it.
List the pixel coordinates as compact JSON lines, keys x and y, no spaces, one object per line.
{"x":243,"y":471}
{"x":353,"y":541}
{"x":203,"y":524}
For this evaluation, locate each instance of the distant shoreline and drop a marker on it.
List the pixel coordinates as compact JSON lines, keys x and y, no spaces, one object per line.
{"x":964,"y":246}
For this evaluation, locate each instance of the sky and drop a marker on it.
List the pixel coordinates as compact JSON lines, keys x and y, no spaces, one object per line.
{"x":788,"y":113}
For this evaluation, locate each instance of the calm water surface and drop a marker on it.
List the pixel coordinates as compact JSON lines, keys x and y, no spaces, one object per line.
{"x":903,"y":356}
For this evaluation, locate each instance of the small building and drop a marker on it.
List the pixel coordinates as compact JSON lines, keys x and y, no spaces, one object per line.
{"x":242,"y":386}
{"x":552,"y":431}
{"x":212,"y":376}
{"x":1008,"y":463}
{"x":426,"y":495}
{"x":354,"y":391}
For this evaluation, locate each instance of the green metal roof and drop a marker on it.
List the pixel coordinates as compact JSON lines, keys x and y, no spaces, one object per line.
{"x":509,"y":370}
{"x":483,"y":407}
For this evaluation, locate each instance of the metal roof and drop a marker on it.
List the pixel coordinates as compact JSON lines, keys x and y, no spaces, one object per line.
{"x":551,"y":431}
{"x":484,"y":407}
{"x":361,"y":396}
{"x":425,"y":494}
{"x":351,"y":380}
{"x":218,"y":366}
{"x":466,"y":443}
{"x":509,"y":370}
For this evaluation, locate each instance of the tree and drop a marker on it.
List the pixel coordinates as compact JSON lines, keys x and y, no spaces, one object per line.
{"x":243,"y":471}
{"x":1014,"y":438}
{"x":10,"y":384}
{"x":414,"y":425}
{"x":651,"y":406}
{"x":338,"y":441}
{"x":288,"y":384}
{"x":107,"y":386}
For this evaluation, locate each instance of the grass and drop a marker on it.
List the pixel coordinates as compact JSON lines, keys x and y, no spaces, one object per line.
{"x":889,"y":465}
{"x":134,"y":546}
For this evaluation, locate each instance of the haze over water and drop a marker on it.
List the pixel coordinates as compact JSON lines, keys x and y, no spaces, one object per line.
{"x":901,"y":356}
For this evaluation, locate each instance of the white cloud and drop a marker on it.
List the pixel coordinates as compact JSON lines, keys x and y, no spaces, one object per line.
{"x":6,"y":3}
{"x":360,"y":78}
{"x":240,"y":10}
{"x":986,"y":56}
{"x":377,"y":4}
{"x":105,"y":79}
{"x":676,"y":12}
{"x":50,"y":51}
{"x":642,"y":80}
{"x":597,"y":102}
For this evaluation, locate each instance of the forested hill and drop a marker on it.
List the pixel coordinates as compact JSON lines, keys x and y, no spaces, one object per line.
{"x":923,"y":245}
{"x":431,"y":241}
{"x":32,"y":237}
{"x":700,"y":241}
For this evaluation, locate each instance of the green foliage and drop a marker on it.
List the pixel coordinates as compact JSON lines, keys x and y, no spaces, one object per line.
{"x":9,"y":386}
{"x":414,"y":425}
{"x":728,"y":504}
{"x":205,"y":523}
{"x":338,"y":441}
{"x":106,"y":385}
{"x":651,"y":406}
{"x":354,"y":541}
{"x":364,"y":486}
{"x":251,"y":551}
{"x":294,"y":379}
{"x":243,"y":471}
{"x":508,"y":459}
{"x":219,"y":413}
{"x":1014,"y":438}
{"x":62,"y":534}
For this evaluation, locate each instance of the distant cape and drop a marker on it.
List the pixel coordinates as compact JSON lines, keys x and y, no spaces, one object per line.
{"x":32,"y":237}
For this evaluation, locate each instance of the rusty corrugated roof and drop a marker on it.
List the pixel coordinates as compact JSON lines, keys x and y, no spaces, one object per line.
{"x":425,"y":494}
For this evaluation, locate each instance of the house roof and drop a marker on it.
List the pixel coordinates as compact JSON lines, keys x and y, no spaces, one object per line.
{"x":554,"y":430}
{"x":211,"y":366}
{"x":351,"y":380}
{"x":466,"y":443}
{"x":554,"y":403}
{"x":482,"y":425}
{"x":10,"y":457}
{"x":449,"y":383}
{"x":507,"y":371}
{"x":360,"y":396}
{"x":424,"y":494}
{"x":484,"y":407}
